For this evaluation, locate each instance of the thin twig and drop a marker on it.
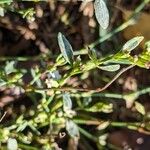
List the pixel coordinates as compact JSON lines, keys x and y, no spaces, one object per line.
{"x":136,"y":125}
{"x":109,"y":83}
{"x":117,"y":76}
{"x":3,"y":116}
{"x":83,"y":89}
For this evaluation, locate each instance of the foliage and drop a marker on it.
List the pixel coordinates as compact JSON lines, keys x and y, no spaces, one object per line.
{"x":62,"y":106}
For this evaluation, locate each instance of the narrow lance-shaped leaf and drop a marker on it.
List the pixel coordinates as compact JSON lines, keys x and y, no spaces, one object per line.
{"x":140,"y":108}
{"x":72,"y":129}
{"x":66,"y":48}
{"x":132,"y":44}
{"x":67,"y":103}
{"x":101,"y":13}
{"x":110,"y":68}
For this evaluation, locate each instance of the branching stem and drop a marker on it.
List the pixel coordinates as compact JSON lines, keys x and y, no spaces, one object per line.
{"x":64,"y":89}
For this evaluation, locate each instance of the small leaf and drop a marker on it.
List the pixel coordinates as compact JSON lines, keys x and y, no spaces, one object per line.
{"x":110,"y":68}
{"x":10,"y":67}
{"x":72,"y":129}
{"x":66,"y":48}
{"x":101,"y":13}
{"x":67,"y":103}
{"x":103,"y":125}
{"x":140,"y":108}
{"x":12,"y":144}
{"x":132,"y":44}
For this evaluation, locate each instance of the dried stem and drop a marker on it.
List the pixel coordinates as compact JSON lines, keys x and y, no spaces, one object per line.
{"x":3,"y":116}
{"x":83,"y":89}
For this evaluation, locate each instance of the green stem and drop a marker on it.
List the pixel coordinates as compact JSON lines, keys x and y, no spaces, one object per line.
{"x":109,"y":35}
{"x":143,"y":91}
{"x":27,"y":147}
{"x":98,"y":90}
{"x":115,"y":124}
{"x":130,"y":125}
{"x":111,"y":95}
{"x":87,"y":134}
{"x":86,"y":94}
{"x":87,"y":122}
{"x":129,"y":22}
{"x":125,"y":124}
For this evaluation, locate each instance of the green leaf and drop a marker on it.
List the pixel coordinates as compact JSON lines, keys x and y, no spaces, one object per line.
{"x":132,"y":44}
{"x":10,"y":67}
{"x":110,"y":68}
{"x":101,"y":13}
{"x":72,"y":129}
{"x":66,"y":48}
{"x":140,"y":108}
{"x":101,"y":107}
{"x":67,"y":103}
